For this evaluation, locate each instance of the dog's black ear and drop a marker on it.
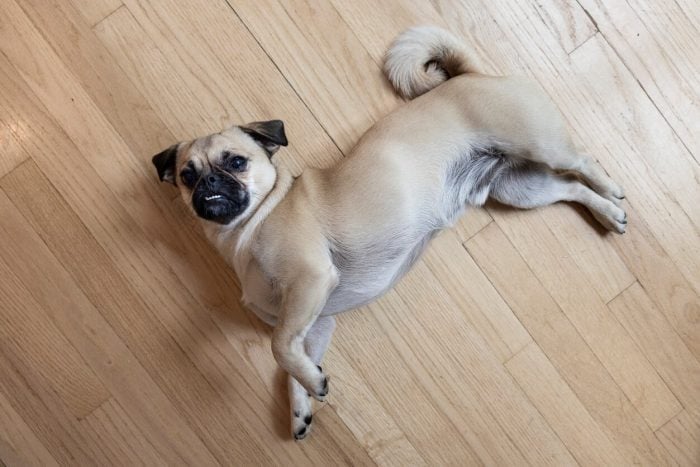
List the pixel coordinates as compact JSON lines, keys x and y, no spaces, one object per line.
{"x":165,"y":164}
{"x":270,"y":135}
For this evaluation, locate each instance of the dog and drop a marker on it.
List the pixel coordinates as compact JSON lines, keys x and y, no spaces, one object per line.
{"x":334,"y":239}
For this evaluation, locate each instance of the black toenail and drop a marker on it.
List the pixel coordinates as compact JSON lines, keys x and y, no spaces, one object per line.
{"x":319,"y":368}
{"x":307,"y":420}
{"x":300,"y":432}
{"x":325,"y":383}
{"x":296,"y":413}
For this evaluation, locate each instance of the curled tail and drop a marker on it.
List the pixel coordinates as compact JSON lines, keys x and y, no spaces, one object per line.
{"x":423,"y":57}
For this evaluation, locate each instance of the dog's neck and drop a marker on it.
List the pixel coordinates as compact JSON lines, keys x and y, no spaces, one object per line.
{"x":233,"y":240}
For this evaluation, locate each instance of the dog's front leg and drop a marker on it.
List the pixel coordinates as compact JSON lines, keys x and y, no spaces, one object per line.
{"x":302,"y":302}
{"x":316,"y":343}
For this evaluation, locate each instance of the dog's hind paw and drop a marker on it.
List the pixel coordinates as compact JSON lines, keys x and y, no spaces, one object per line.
{"x":301,"y":425}
{"x":612,"y":218}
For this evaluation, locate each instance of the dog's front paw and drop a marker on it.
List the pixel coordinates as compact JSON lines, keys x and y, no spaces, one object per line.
{"x":318,"y":389}
{"x":301,"y":424}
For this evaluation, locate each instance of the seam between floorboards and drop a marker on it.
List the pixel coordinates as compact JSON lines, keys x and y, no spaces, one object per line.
{"x":325,"y":130}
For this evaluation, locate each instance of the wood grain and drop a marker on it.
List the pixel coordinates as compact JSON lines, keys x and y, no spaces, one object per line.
{"x":95,"y":11}
{"x":562,"y":409}
{"x":654,"y":41}
{"x":564,"y":346}
{"x":19,"y":445}
{"x":662,"y":346}
{"x":84,"y":326}
{"x":110,"y":426}
{"x":681,"y":439}
{"x":521,"y":337}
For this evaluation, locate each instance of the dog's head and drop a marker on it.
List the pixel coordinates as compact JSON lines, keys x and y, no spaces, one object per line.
{"x":224,"y":176}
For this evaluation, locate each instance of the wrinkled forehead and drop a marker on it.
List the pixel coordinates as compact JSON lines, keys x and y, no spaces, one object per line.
{"x":209,"y":150}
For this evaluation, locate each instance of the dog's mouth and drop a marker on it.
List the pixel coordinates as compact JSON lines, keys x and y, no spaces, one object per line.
{"x":221,"y":208}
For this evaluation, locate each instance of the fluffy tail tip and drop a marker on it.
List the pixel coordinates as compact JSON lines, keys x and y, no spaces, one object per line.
{"x":423,"y":57}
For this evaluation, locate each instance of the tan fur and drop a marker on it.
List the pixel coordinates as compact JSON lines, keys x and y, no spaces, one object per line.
{"x":313,"y":246}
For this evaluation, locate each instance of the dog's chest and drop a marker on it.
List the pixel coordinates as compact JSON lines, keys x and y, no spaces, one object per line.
{"x":259,"y":293}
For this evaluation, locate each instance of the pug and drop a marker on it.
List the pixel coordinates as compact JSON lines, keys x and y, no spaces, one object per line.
{"x":335,"y":239}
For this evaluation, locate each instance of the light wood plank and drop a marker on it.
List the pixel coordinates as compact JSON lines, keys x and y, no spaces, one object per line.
{"x":333,"y":443}
{"x":562,"y":409}
{"x":177,"y":93}
{"x":366,"y":418}
{"x":399,"y":391}
{"x":376,"y":24}
{"x":472,"y":222}
{"x":95,"y":11}
{"x":12,"y":154}
{"x":457,"y":352}
{"x":664,"y":283}
{"x":117,"y":367}
{"x":568,"y":22}
{"x":662,"y":346}
{"x":45,"y":414}
{"x":564,"y":346}
{"x":589,"y":247}
{"x":86,"y":68}
{"x":39,"y":350}
{"x":656,"y":41}
{"x":459,"y":403}
{"x":681,"y":437}
{"x":473,"y":293}
{"x":156,"y":42}
{"x":691,"y":10}
{"x":18,"y":443}
{"x":350,"y":93}
{"x":130,"y":168}
{"x":111,"y":427}
{"x":608,"y":340}
{"x":609,"y":83}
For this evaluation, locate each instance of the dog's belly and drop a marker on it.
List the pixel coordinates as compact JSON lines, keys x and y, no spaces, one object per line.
{"x":364,"y":275}
{"x":367,"y":273}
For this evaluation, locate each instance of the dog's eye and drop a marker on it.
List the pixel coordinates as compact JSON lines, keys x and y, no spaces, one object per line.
{"x":188,"y":177}
{"x":234,"y":162}
{"x":238,"y":162}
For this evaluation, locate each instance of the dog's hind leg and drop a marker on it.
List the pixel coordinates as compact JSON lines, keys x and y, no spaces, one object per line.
{"x":567,"y":159}
{"x":529,"y":185}
{"x":317,"y":340}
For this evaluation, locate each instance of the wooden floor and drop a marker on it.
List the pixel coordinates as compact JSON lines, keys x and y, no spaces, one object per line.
{"x":520,"y":338}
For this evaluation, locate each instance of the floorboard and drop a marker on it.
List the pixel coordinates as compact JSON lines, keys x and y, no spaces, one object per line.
{"x":520,"y":338}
